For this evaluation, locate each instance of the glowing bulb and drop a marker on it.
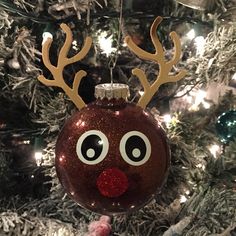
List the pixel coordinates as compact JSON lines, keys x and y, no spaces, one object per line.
{"x":201,"y":166}
{"x":183,"y":199}
{"x":26,"y":141}
{"x":105,"y":43}
{"x":167,"y":118}
{"x":200,"y":44}
{"x":74,"y":45}
{"x":206,"y":105}
{"x":199,"y":98}
{"x":214,"y":149}
{"x":234,"y":76}
{"x":46,"y":35}
{"x":38,"y":157}
{"x":141,"y":93}
{"x":191,"y":34}
{"x":187,"y":192}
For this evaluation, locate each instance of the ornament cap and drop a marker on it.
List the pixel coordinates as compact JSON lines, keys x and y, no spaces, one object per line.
{"x":112,"y":91}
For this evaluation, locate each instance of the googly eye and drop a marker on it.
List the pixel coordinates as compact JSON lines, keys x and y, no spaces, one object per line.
{"x":135,"y":148}
{"x":92,"y":147}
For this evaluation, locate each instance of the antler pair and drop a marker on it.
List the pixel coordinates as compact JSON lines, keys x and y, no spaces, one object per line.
{"x":149,"y":90}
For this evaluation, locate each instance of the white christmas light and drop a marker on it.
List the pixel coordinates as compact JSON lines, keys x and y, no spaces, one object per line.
{"x":199,"y":99}
{"x":234,"y":76}
{"x":46,"y":35}
{"x":200,"y":44}
{"x":105,"y":43}
{"x":74,"y":45}
{"x":183,"y":199}
{"x":191,"y":34}
{"x":26,"y":141}
{"x":206,"y":105}
{"x":141,"y":93}
{"x":214,"y":149}
{"x":167,"y":118}
{"x":38,"y":157}
{"x":201,"y":166}
{"x":187,"y":192}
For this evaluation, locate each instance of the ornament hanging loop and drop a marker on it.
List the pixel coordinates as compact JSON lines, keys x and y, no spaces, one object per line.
{"x":111,"y":66}
{"x":113,"y":58}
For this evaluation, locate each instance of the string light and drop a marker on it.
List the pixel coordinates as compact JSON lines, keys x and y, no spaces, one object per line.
{"x":26,"y":142}
{"x":141,"y":93}
{"x":105,"y":43}
{"x":200,"y":96}
{"x":183,"y":199}
{"x":167,"y":119}
{"x":201,"y":166}
{"x":214,"y":150}
{"x":200,"y":44}
{"x":38,"y":147}
{"x":74,"y":45}
{"x":206,"y":105}
{"x":46,"y":35}
{"x":191,"y":34}
{"x":234,"y":76}
{"x":38,"y":157}
{"x":187,"y":192}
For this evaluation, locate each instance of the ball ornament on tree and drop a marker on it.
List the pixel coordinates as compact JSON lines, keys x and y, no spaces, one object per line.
{"x":112,"y":156}
{"x":226,"y":126}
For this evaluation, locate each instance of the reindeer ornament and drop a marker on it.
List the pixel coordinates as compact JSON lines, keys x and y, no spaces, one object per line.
{"x":112,"y":156}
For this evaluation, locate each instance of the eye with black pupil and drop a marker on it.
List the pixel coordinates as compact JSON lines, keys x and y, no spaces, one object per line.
{"x":91,"y":147}
{"x":135,"y":148}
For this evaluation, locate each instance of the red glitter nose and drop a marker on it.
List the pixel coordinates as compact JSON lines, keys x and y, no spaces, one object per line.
{"x":112,"y":182}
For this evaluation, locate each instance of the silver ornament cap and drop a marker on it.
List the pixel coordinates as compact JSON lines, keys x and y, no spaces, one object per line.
{"x":111,"y":91}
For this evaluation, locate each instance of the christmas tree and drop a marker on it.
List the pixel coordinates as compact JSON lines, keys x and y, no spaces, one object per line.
{"x":197,"y":112}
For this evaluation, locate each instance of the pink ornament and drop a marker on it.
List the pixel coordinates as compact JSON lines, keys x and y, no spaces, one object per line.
{"x":100,"y":228}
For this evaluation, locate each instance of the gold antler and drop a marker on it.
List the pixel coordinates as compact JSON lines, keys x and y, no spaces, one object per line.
{"x":63,"y":60}
{"x":158,"y":57}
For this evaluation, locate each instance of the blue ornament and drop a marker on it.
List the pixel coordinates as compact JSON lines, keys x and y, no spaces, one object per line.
{"x":226,"y":126}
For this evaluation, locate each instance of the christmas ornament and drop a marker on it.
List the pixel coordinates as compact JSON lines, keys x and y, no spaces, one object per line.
{"x":112,"y":156}
{"x":101,"y":227}
{"x":226,"y":126}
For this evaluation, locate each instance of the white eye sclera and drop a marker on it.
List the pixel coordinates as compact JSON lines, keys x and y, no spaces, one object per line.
{"x":135,"y":148}
{"x":92,"y":147}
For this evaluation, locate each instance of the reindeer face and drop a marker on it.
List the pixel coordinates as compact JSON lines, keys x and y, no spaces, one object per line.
{"x":112,"y":160}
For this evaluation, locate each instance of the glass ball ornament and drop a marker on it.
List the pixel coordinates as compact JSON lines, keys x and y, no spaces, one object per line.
{"x":112,"y":156}
{"x":226,"y":126}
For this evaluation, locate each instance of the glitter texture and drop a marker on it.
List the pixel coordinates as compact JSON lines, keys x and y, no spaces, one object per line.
{"x":112,"y":182}
{"x":87,"y":184}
